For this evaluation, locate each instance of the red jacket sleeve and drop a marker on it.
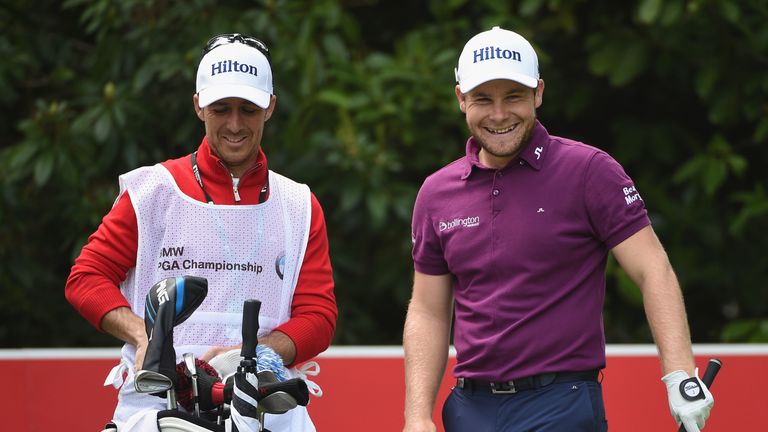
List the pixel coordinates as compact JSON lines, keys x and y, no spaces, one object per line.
{"x":93,"y":284}
{"x":313,"y":311}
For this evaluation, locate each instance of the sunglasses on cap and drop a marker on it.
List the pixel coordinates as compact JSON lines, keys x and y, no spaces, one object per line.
{"x":229,"y":38}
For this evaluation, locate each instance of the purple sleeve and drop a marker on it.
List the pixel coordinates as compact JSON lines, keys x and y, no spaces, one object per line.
{"x":615,"y":207}
{"x":427,"y":252}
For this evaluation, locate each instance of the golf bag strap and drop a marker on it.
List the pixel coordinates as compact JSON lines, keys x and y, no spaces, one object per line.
{"x":180,"y":421}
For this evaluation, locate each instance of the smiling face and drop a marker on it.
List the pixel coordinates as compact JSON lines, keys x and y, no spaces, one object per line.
{"x":234,"y":127}
{"x":501,"y":115}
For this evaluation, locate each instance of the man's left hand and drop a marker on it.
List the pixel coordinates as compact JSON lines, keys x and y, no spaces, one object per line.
{"x":689,"y":399}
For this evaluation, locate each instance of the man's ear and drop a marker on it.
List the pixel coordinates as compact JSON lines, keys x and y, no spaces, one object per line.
{"x":539,"y":94}
{"x":462,"y":98}
{"x":271,"y":108}
{"x":198,"y":110}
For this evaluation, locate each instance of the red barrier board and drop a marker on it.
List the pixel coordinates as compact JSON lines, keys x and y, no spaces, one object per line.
{"x":61,"y":390}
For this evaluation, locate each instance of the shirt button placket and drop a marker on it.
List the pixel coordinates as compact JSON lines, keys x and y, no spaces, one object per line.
{"x":495,"y":192}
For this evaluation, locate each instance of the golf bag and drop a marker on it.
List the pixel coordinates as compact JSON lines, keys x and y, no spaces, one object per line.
{"x":245,"y":397}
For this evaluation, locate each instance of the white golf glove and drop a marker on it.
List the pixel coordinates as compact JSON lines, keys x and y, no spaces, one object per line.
{"x":689,"y":399}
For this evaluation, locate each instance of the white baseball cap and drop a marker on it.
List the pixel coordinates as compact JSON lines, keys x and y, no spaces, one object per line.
{"x":497,"y":54}
{"x":234,"y":68}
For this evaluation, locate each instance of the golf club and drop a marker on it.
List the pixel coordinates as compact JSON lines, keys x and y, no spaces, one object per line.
{"x":244,"y":409}
{"x":250,"y":331}
{"x":169,"y":303}
{"x":295,"y":388}
{"x":275,"y":399}
{"x":713,"y":367}
{"x":189,"y":361}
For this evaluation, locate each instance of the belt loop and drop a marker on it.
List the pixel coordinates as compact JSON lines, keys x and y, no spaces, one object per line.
{"x":460,"y":382}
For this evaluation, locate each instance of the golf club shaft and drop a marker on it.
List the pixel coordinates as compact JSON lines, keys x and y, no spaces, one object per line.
{"x":195,"y":395}
{"x":713,"y":367}
{"x":171,"y":396}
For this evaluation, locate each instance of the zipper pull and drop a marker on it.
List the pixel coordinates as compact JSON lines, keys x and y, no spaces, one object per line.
{"x":235,"y":184}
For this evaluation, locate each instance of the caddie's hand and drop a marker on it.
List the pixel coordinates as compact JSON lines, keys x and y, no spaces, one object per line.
{"x":141,"y":351}
{"x":689,"y":399}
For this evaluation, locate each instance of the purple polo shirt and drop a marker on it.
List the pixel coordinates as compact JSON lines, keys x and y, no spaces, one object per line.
{"x":527,"y":246}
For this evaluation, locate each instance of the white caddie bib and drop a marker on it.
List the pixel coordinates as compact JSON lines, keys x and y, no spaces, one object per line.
{"x":244,"y":251}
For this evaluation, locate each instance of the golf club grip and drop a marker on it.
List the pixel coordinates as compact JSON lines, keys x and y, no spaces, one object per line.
{"x":295,"y":387}
{"x":251,"y":310}
{"x":713,"y":367}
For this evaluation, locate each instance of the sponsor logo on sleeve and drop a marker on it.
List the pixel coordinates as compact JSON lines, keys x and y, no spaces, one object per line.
{"x":631,"y":195}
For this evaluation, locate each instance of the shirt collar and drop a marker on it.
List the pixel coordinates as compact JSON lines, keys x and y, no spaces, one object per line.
{"x":211,"y":165}
{"x":533,"y":154}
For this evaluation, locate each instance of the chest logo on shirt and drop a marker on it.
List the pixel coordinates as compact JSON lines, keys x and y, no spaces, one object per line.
{"x":467,"y":222}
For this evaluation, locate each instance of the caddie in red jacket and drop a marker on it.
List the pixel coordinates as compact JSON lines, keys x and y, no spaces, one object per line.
{"x":217,"y":213}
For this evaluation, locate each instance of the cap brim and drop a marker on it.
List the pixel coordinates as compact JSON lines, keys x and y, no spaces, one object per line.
{"x":210,"y":95}
{"x":468,"y":84}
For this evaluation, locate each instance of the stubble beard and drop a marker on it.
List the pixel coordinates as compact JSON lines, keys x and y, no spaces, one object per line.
{"x":516,"y":148}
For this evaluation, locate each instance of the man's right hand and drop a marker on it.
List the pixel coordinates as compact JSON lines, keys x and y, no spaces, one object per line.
{"x":141,"y":351}
{"x":123,"y":324}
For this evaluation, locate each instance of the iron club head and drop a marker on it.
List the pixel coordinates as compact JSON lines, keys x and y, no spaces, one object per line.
{"x":151,"y":382}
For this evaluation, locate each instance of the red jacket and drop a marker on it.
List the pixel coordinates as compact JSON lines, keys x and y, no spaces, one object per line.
{"x":93,"y":284}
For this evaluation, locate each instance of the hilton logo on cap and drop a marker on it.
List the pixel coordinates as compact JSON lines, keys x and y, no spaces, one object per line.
{"x":233,"y":66}
{"x":490,"y":53}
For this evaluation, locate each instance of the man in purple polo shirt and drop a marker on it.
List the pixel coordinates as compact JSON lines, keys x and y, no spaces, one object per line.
{"x":513,"y":238}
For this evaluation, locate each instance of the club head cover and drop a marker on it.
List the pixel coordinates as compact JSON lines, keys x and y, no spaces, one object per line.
{"x":244,"y":414}
{"x":169,"y":303}
{"x":184,"y":293}
{"x":296,"y":388}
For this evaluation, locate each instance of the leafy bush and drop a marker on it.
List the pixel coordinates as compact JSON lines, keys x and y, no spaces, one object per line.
{"x":675,"y":90}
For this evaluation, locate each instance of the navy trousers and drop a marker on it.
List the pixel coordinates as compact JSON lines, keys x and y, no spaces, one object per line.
{"x":562,"y":407}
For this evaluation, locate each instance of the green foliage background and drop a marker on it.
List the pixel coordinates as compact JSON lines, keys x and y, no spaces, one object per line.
{"x":676,"y":90}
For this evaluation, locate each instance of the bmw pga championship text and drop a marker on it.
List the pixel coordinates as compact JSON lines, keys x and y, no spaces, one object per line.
{"x":175,"y":263}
